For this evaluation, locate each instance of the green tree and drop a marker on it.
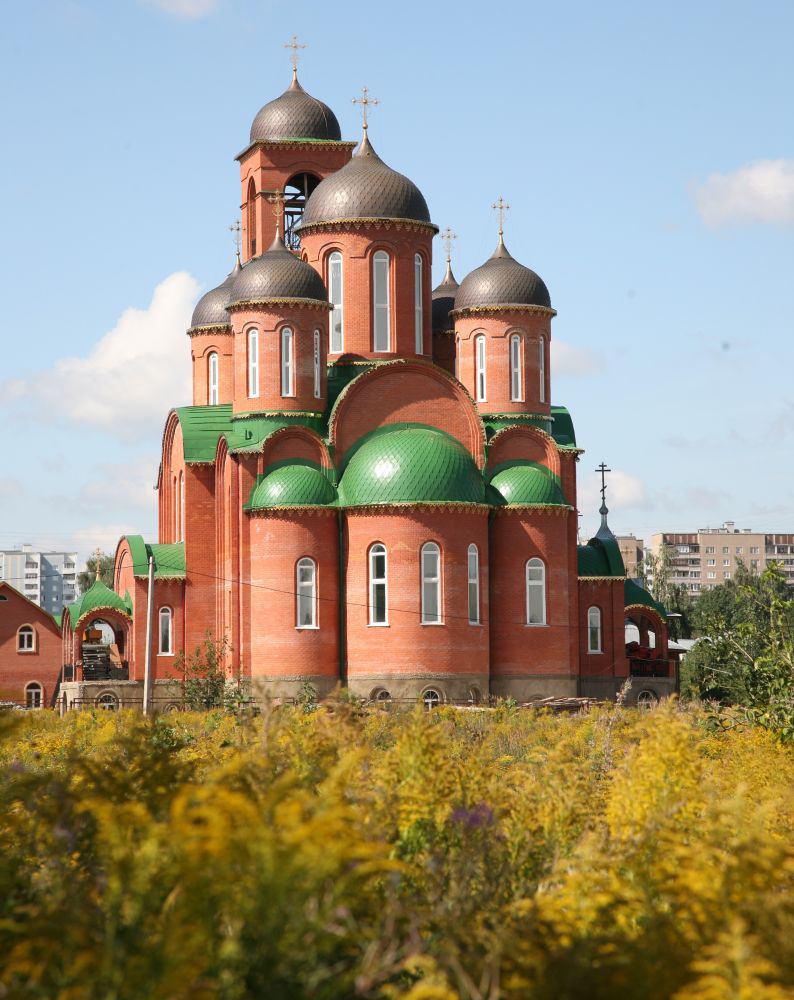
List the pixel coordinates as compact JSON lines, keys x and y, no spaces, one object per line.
{"x":87,"y":577}
{"x":656,"y":575}
{"x":208,"y":681}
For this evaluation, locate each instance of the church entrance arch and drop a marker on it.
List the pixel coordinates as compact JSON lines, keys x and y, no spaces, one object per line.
{"x":101,"y":643}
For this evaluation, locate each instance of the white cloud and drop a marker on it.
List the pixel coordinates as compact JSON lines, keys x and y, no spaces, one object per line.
{"x":121,"y":485}
{"x":130,"y":379}
{"x":569,"y":360}
{"x":624,"y":491}
{"x":187,"y":10}
{"x":759,"y":192}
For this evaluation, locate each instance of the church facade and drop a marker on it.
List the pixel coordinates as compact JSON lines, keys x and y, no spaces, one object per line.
{"x":372,"y":486}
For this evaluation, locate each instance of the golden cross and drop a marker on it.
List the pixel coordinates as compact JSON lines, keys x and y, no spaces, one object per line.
{"x":365,"y":101}
{"x":294,"y":56}
{"x":98,"y":555}
{"x":234,"y":229}
{"x":501,"y":207}
{"x":447,"y":237}
{"x":277,"y":199}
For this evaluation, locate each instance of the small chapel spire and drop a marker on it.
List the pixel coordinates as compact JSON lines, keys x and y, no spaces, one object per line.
{"x":98,"y":557}
{"x":447,"y":238}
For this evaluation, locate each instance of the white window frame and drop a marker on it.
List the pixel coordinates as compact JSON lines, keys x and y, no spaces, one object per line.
{"x":336,"y":296}
{"x":36,"y":689}
{"x":318,"y":385}
{"x":378,"y":549}
{"x":473,"y":573}
{"x":480,"y":369}
{"x":542,"y":367}
{"x":516,"y":369}
{"x":306,"y":590}
{"x":287,"y":362}
{"x":29,"y":644}
{"x":212,"y":378}
{"x":165,"y":612}
{"x":431,"y":582}
{"x":253,"y":363}
{"x":431,"y":698}
{"x":531,"y":585}
{"x":107,"y":701}
{"x":381,"y":306}
{"x":418,"y":317}
{"x":594,"y":630}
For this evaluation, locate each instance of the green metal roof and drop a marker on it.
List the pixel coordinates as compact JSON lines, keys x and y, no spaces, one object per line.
{"x":409,"y":463}
{"x":97,"y":596}
{"x":296,"y":484}
{"x":562,"y":428}
{"x":201,"y":428}
{"x":169,"y":560}
{"x":524,"y":482}
{"x":633,"y":593}
{"x":592,"y":561}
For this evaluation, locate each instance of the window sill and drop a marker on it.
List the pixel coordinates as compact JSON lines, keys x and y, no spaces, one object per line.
{"x":595,"y":652}
{"x":377,"y":625}
{"x":432,"y":624}
{"x":307,"y":628}
{"x":536,"y":625}
{"x":165,"y":654}
{"x":26,"y":652}
{"x":476,"y":624}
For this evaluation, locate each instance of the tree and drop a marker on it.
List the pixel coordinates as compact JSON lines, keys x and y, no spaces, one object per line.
{"x":87,"y":577}
{"x":208,"y":681}
{"x":656,"y":575}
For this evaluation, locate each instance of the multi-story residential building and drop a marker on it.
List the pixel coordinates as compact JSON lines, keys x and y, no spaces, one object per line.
{"x":48,"y":579}
{"x":633,"y":552}
{"x":710,"y":556}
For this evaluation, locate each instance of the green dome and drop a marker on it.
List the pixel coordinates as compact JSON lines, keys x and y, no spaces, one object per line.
{"x":97,"y":596}
{"x":528,"y":483}
{"x":411,"y":464}
{"x":293,"y":486}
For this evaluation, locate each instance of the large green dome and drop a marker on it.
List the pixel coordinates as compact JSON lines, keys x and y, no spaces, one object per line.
{"x":293,"y":486}
{"x":410,"y":464}
{"x":523,"y":482}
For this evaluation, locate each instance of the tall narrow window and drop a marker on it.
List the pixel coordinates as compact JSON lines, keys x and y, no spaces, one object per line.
{"x":306,"y":590}
{"x":181,"y":525}
{"x":474,"y":585}
{"x":516,"y":379}
{"x":317,"y":364}
{"x":166,"y":636}
{"x":335,"y":294}
{"x":212,"y":379}
{"x":418,"y":324}
{"x":542,"y":367}
{"x":479,"y":362}
{"x":431,"y":584}
{"x":287,"y":363}
{"x":378,"y":607}
{"x":380,"y":295}
{"x":176,"y":508}
{"x":251,"y":218}
{"x":594,"y":630}
{"x":253,"y":363}
{"x":536,"y":592}
{"x":26,"y":639}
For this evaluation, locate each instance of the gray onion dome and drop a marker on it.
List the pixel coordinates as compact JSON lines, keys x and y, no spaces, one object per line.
{"x":295,"y":115}
{"x":501,"y":282}
{"x":444,"y":301}
{"x":277,"y":274}
{"x":365,"y":188}
{"x":211,"y":307}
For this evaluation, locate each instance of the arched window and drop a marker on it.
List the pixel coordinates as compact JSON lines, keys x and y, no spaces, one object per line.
{"x":593,"y":630}
{"x":287,"y":362}
{"x":253,"y":363}
{"x":107,"y":701}
{"x":378,"y":601}
{"x":181,"y":507}
{"x":418,"y":324}
{"x":431,"y":698}
{"x":212,"y":379}
{"x":165,"y":646}
{"x":34,"y":695}
{"x":296,"y":193}
{"x":337,"y":344}
{"x":536,"y":592}
{"x":516,"y":373}
{"x":306,"y":590}
{"x":317,"y":366}
{"x":542,"y":367}
{"x":479,"y":364}
{"x":176,"y":508}
{"x":474,"y":585}
{"x":251,"y":214}
{"x":380,"y":297}
{"x":26,"y":639}
{"x":431,"y":584}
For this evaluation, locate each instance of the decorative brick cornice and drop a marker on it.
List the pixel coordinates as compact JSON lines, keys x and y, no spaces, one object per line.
{"x":340,"y":225}
{"x":517,"y":416}
{"x":285,"y":513}
{"x":601,"y":579}
{"x":253,"y":414}
{"x":645,"y":610}
{"x":293,"y":303}
{"x":535,"y":508}
{"x":223,"y":331}
{"x":453,"y":506}
{"x":297,"y":144}
{"x":517,"y":307}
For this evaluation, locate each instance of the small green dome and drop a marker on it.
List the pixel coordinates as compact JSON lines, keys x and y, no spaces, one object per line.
{"x":293,"y":486}
{"x":411,"y":464}
{"x":97,"y":596}
{"x":528,"y":483}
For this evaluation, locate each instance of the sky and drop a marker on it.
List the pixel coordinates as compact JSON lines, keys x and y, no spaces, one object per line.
{"x":646,"y":151}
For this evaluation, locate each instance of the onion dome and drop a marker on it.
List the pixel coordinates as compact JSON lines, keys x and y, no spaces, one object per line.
{"x":410,"y":464}
{"x":293,"y":486}
{"x":523,"y":482}
{"x":97,"y":596}
{"x":277,"y":275}
{"x":211,"y":307}
{"x":365,"y":188}
{"x":502,"y":282}
{"x":444,"y":301}
{"x":295,"y":115}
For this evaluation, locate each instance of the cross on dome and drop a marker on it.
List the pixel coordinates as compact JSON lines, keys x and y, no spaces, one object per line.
{"x":235,"y":229}
{"x":447,"y":237}
{"x":294,"y":54}
{"x":366,"y":102}
{"x":277,"y":199}
{"x":500,"y":206}
{"x":98,"y":556}
{"x":602,"y":468}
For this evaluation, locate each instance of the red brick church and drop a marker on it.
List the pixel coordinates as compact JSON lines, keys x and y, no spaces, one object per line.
{"x":372,"y":487}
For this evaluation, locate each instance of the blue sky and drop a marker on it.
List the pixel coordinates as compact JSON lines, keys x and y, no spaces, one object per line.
{"x":647,"y":153}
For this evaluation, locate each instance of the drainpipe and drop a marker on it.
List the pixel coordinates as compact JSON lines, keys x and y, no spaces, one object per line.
{"x":147,"y":661}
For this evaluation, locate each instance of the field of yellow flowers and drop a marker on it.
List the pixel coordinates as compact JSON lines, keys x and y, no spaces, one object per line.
{"x":343,"y":852}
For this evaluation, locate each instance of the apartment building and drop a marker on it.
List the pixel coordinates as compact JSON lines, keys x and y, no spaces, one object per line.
{"x":632,"y":550}
{"x":702,"y":559}
{"x":48,"y":579}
